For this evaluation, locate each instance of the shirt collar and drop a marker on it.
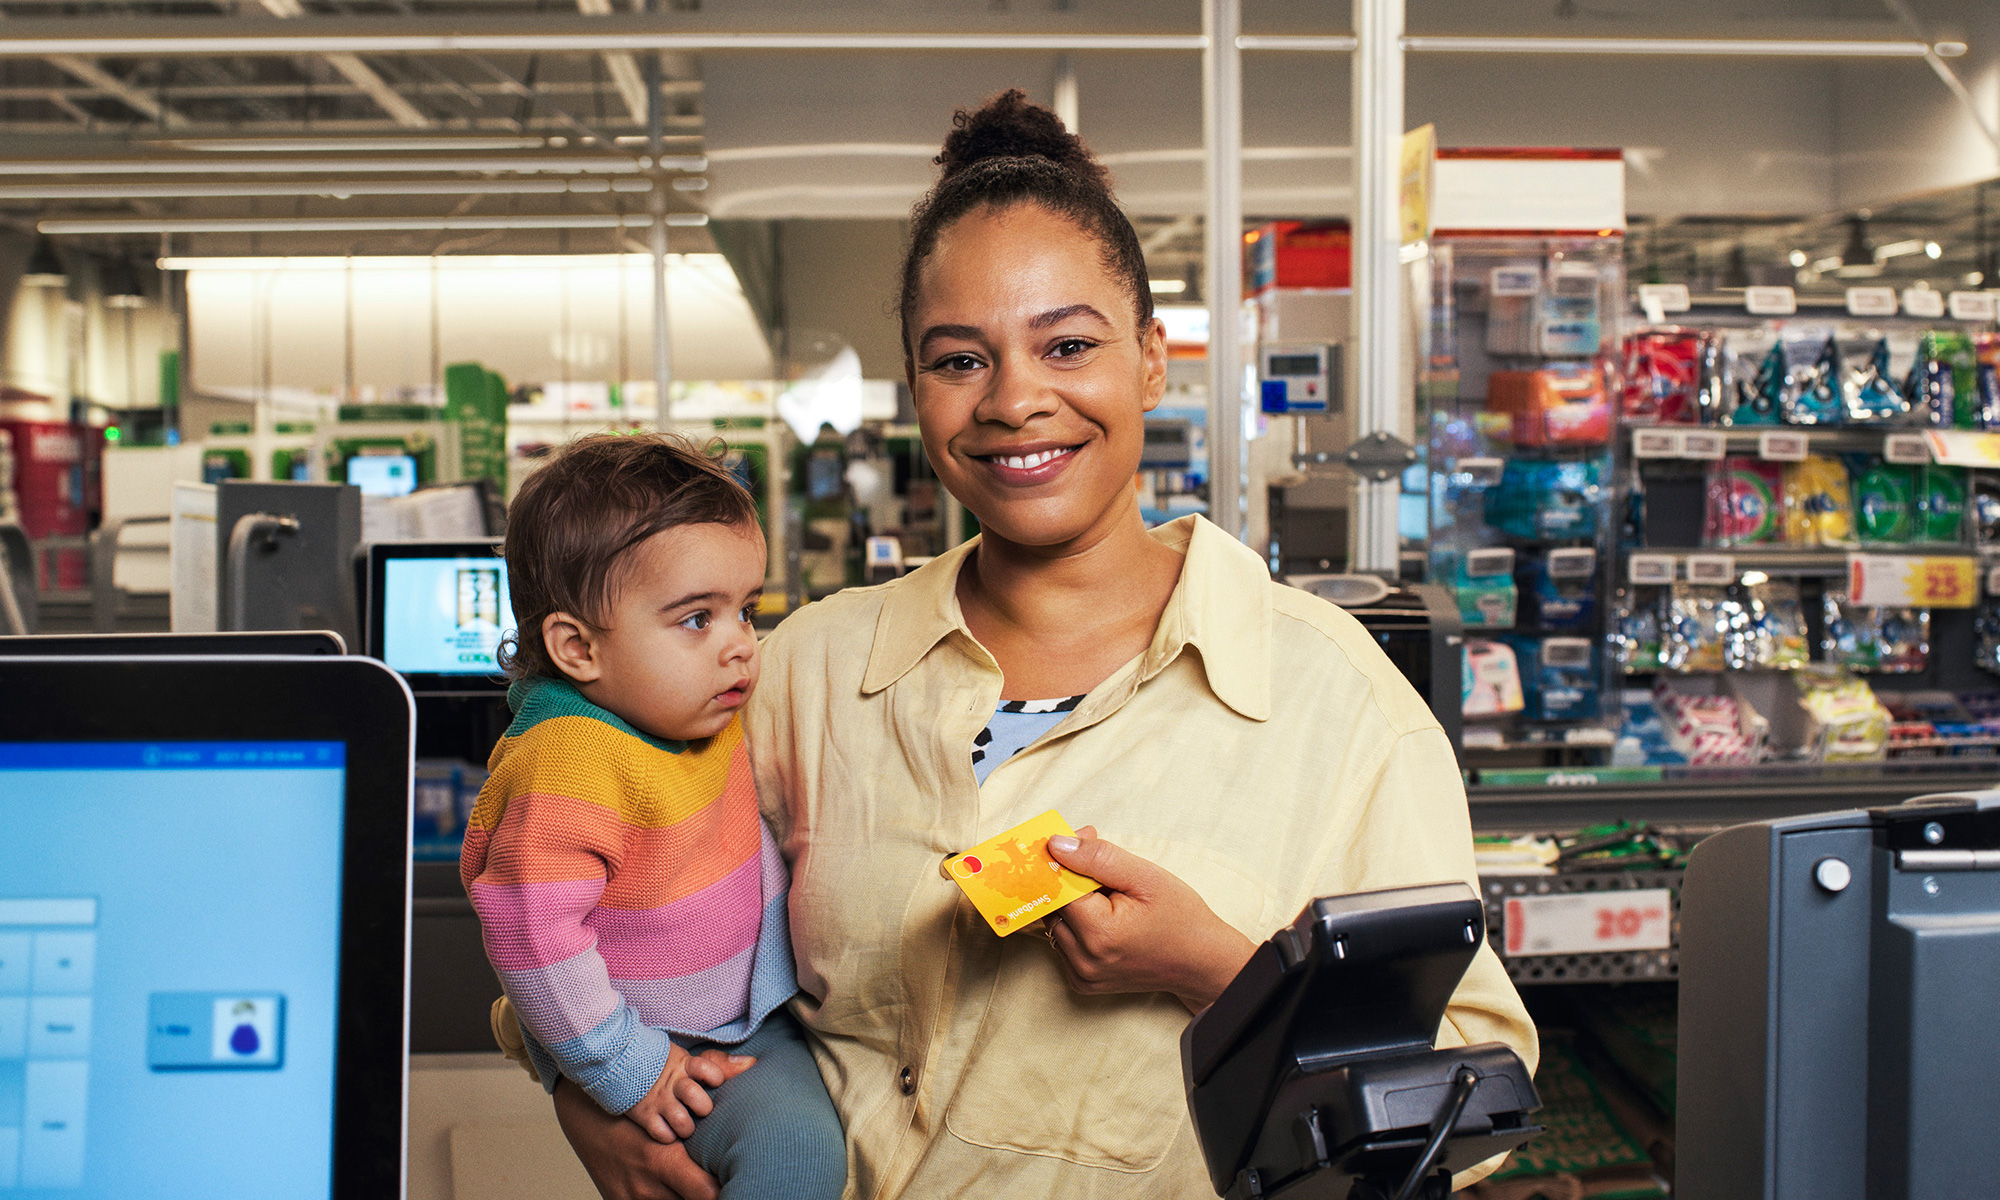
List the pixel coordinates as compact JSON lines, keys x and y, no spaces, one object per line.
{"x":1221,"y":606}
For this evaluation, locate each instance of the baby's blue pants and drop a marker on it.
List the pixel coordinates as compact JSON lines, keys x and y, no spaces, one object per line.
{"x":773,"y":1134}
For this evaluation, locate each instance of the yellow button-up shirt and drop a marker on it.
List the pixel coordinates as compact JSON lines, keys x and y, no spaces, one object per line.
{"x":1262,"y":748}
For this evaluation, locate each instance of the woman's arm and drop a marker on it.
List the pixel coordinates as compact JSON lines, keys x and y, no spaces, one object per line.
{"x":1146,"y":931}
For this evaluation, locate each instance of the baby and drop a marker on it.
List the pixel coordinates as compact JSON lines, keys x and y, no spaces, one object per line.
{"x":631,"y":897}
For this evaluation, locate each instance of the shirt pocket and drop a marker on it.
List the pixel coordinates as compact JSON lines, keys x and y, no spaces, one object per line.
{"x":1093,"y":1080}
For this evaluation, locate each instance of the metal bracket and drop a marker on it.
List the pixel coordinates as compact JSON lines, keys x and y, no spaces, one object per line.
{"x":1379,"y":456}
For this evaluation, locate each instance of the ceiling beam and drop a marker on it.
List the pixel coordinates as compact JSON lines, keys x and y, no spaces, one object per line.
{"x":360,"y":74}
{"x":624,"y":69}
{"x":118,"y":89}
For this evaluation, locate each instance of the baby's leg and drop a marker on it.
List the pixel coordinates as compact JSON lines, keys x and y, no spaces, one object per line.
{"x":773,"y":1134}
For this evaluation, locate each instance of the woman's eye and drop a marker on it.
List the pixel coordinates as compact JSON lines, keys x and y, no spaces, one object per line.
{"x":1071,"y":347}
{"x":956,"y":362}
{"x":696,"y":621}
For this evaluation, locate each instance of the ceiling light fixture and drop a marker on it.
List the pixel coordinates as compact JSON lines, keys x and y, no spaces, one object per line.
{"x":1899,"y":249}
{"x":324,"y":187}
{"x":1797,"y":258}
{"x":554,"y":164}
{"x":1167,"y":287}
{"x":1859,"y":251}
{"x":406,"y":262}
{"x":336,"y":144}
{"x":45,"y":268}
{"x":1933,"y":250}
{"x":357,"y":224}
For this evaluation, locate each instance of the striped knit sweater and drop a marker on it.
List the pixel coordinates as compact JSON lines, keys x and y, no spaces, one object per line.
{"x":627,"y":889}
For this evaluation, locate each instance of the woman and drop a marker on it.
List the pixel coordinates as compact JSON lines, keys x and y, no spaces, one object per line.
{"x":1243,"y":747}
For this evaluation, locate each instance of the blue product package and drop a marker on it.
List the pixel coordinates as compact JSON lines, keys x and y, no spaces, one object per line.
{"x":1545,"y":500}
{"x":1812,"y":395}
{"x":1868,"y":392}
{"x":1758,"y":396}
{"x":1559,"y":678}
{"x":1564,"y":586}
{"x":1931,"y":391}
{"x":1986,"y":413}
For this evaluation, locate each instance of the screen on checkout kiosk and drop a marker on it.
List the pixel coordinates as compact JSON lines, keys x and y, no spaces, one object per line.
{"x":445,"y":616}
{"x":169,"y":967}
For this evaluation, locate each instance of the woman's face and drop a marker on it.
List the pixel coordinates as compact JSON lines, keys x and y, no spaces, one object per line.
{"x":1030,"y":377}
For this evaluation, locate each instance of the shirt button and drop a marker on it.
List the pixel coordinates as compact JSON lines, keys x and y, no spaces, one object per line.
{"x":907,"y":1080}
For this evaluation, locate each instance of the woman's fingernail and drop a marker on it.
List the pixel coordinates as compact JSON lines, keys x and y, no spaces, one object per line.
{"x":1063,"y":842}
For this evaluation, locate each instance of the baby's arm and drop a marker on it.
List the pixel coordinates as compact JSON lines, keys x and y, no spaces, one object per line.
{"x":668,"y":1111}
{"x":535,"y":866}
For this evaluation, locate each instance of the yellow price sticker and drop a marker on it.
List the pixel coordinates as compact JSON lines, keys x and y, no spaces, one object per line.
{"x":1906,"y":581}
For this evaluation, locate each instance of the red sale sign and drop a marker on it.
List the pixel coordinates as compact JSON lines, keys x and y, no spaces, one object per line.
{"x":1589,"y":922}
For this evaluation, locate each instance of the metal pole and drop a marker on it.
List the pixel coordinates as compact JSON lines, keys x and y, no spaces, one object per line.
{"x":656,"y":140}
{"x":1222,"y":137}
{"x":1378,"y":142}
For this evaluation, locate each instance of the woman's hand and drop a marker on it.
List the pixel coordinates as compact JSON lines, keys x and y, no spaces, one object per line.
{"x":1146,"y":931}
{"x":623,"y":1161}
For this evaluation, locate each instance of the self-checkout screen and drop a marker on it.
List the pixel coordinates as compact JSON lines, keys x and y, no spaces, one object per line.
{"x":444,"y":616}
{"x":169,"y":968}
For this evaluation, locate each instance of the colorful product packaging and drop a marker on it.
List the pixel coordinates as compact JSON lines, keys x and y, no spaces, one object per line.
{"x":1545,"y":500}
{"x":1561,"y":679}
{"x":1745,"y":502}
{"x":1812,"y":389}
{"x":1819,"y":503}
{"x":1663,"y":376}
{"x":1562,"y":404}
{"x":1636,"y":636}
{"x":1778,"y":622}
{"x":1853,"y":723}
{"x":1483,"y":582}
{"x":1885,"y":510}
{"x":1940,"y":504}
{"x":1866,"y":391}
{"x":1693,"y":636}
{"x":1758,"y":391}
{"x":1564,"y":586}
{"x":1706,"y":730}
{"x":1490,"y":680}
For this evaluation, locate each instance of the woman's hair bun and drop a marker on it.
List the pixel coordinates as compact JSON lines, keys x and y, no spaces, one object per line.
{"x":1011,"y":126}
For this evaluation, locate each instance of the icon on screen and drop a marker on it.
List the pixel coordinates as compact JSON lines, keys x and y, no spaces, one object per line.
{"x":212,"y":1031}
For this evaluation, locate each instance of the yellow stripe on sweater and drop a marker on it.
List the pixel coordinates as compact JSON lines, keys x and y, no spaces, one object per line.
{"x":587,"y":760}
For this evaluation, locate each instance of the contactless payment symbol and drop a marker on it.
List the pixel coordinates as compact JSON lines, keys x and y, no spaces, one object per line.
{"x":967,"y":867}
{"x":211,"y":1031}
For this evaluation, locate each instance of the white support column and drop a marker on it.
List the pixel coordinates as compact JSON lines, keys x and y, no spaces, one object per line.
{"x":656,"y":123}
{"x":1378,"y":141}
{"x":1222,"y":137}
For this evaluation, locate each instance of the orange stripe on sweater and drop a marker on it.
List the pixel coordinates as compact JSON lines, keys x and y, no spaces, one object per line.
{"x":586,"y":760}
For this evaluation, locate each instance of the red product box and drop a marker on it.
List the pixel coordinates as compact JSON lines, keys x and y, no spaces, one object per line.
{"x":52,"y":473}
{"x":1299,"y":254}
{"x":1663,"y":376}
{"x":1558,"y":405}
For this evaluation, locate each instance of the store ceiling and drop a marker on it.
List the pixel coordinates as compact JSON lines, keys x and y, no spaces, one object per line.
{"x":472,"y":141}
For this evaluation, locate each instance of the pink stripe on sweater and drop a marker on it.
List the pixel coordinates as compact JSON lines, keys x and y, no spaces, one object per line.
{"x":691,"y":934}
{"x":563,"y":1000}
{"x":529,"y":926}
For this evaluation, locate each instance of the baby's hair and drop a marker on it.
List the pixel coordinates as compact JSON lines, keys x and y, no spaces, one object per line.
{"x":1014,"y":152}
{"x":575,"y":519}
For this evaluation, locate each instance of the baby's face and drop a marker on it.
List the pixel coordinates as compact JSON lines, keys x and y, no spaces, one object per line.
{"x":678,"y":657}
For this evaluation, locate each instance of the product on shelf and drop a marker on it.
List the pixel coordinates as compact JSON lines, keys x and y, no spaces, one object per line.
{"x":1707,"y":730}
{"x":1986,"y":510}
{"x":1758,"y":394}
{"x":1745,"y":502}
{"x":1986,"y":634}
{"x":1490,"y":681}
{"x":1528,"y":854}
{"x":1692,"y":639}
{"x":1943,"y":385}
{"x":1885,"y":640}
{"x":1562,"y":404}
{"x":1778,"y":620}
{"x":1546,"y":500}
{"x":1483,"y":582}
{"x":1940,"y":504}
{"x":1885,"y":496}
{"x":1819,"y":503}
{"x":1564,"y":585}
{"x":1560,"y":677}
{"x":1663,"y":376}
{"x":1905,"y":635}
{"x":1852,"y":724}
{"x":1635,"y":637}
{"x":1866,"y":390}
{"x":1642,"y":740}
{"x":1812,"y":391}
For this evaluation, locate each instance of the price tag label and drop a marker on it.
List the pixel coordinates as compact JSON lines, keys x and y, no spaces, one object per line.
{"x":1770,"y":301}
{"x":1667,"y":297}
{"x":1906,"y":448}
{"x":1702,"y":444}
{"x":1589,"y":922}
{"x":1972,"y":306}
{"x":1482,"y":472}
{"x":1923,"y":302}
{"x":1650,"y":568}
{"x":1780,"y":446}
{"x":1993,"y":581}
{"x":1656,"y":443}
{"x":1911,"y":581}
{"x":1711,"y":568}
{"x":1516,"y":281}
{"x":1871,"y":302}
{"x":1964,"y":447}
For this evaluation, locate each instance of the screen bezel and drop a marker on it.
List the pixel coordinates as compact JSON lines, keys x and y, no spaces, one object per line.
{"x":425,"y":683}
{"x":351,"y":700}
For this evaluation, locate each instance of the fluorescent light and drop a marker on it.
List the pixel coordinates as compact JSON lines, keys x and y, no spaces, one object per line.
{"x":1797,"y":258}
{"x":324,"y":187}
{"x":1899,"y":249}
{"x":1338,"y":43}
{"x":1167,"y":287}
{"x":1933,"y":250}
{"x":1751,"y":47}
{"x":401,"y":262}
{"x":280,"y":40}
{"x":329,"y":145}
{"x":555,"y":164}
{"x":357,"y":224}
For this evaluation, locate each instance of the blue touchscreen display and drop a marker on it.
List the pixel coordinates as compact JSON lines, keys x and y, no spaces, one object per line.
{"x":444,"y":616}
{"x":169,"y":968}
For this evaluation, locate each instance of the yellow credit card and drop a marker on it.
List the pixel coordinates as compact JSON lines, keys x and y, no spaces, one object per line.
{"x":1011,"y":879}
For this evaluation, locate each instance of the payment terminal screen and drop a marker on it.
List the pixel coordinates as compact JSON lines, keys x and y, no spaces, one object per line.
{"x":444,"y":616}
{"x":169,"y":961}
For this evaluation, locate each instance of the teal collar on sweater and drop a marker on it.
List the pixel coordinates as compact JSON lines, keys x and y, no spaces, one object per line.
{"x":536,"y":699}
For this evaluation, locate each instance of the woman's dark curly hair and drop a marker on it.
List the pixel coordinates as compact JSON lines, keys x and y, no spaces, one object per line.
{"x":1014,"y":152}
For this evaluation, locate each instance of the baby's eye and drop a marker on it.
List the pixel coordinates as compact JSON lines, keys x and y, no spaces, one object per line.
{"x":749,"y":612}
{"x":696,"y":621}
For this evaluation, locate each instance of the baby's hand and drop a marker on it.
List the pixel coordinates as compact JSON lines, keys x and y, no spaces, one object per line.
{"x":668,"y":1111}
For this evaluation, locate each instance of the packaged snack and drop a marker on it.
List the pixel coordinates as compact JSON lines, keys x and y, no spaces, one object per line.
{"x":1562,"y":404}
{"x":1564,"y":585}
{"x":1778,"y":620}
{"x":1663,"y":376}
{"x":1904,"y":640}
{"x":1986,"y":509}
{"x":1758,"y":390}
{"x":1854,"y":725}
{"x":1483,"y":582}
{"x":1490,"y":683}
{"x":1706,"y":730}
{"x":1851,"y":639}
{"x":1745,"y":502}
{"x":1552,"y":500}
{"x":1940,"y":504}
{"x":1812,"y":390}
{"x":1955,"y":351}
{"x":1635,"y":639}
{"x":1986,"y":631}
{"x":1735,"y":624}
{"x":1819,"y":506}
{"x":1929,"y":392}
{"x":1692,"y":639}
{"x":1885,"y":503}
{"x":1987,"y":411}
{"x":1866,"y":390}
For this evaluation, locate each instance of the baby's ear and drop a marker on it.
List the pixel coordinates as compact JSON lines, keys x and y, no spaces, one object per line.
{"x":572,"y":647}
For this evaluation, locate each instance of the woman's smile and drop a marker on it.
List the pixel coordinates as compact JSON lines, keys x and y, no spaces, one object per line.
{"x":1029,"y":466}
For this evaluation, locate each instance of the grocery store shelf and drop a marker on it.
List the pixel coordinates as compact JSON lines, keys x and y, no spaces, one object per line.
{"x":1717,"y":797}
